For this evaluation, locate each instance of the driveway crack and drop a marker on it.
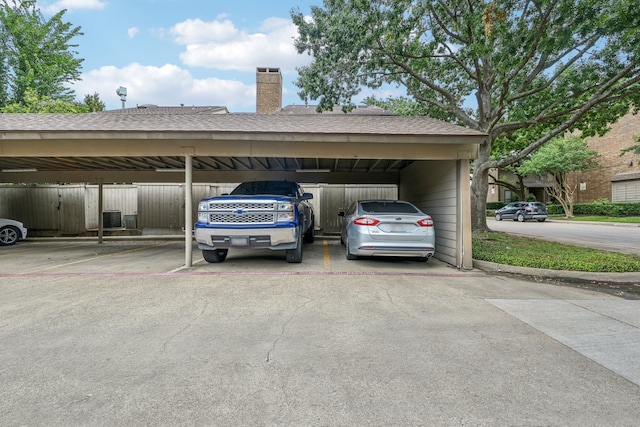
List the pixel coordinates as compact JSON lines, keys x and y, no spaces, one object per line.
{"x":269,"y":357}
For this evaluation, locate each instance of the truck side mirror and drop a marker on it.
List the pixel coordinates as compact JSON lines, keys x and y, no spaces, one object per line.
{"x":307,"y":196}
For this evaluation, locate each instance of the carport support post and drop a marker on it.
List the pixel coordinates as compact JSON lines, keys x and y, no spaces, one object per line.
{"x":100,"y":214}
{"x":188,"y":209}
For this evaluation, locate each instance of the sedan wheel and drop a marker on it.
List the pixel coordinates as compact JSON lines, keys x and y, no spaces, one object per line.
{"x":8,"y":235}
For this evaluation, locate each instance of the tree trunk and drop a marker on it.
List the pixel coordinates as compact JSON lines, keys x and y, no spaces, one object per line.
{"x":480,"y":189}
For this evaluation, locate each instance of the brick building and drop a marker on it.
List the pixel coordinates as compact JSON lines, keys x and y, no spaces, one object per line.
{"x":618,"y":180}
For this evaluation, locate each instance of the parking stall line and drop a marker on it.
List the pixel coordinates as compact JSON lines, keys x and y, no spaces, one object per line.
{"x":182,"y":272}
{"x":45,"y":249}
{"x":94,"y":258}
{"x":327,"y":259}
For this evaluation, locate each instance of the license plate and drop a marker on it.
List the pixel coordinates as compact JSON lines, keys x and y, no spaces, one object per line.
{"x":397,"y":228}
{"x":239,"y":241}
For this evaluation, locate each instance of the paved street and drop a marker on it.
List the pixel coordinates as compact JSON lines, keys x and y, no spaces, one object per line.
{"x":611,"y":237}
{"x":119,"y":334}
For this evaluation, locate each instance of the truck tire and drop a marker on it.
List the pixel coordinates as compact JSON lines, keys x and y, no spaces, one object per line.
{"x":215,"y":256}
{"x":309,"y":235}
{"x":295,"y":255}
{"x":9,"y":235}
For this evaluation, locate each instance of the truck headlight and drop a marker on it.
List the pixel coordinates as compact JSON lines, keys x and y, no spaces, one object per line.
{"x":285,"y":216}
{"x":203,"y":206}
{"x":285,"y":206}
{"x":203,"y":217}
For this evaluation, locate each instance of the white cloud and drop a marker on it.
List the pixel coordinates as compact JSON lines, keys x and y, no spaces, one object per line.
{"x":131,"y":32}
{"x":168,"y":85}
{"x":196,"y":31}
{"x":220,"y":45}
{"x":74,"y":5}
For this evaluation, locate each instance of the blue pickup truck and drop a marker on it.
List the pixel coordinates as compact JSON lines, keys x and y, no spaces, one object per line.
{"x":259,"y":214}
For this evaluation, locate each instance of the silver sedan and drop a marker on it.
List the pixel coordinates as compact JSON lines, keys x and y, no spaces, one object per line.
{"x":392,"y":228}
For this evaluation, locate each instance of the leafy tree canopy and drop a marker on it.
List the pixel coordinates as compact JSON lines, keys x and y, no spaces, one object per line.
{"x":560,"y":156}
{"x":35,"y":53}
{"x":32,"y":103}
{"x":635,"y":149}
{"x":555,"y":160}
{"x":522,"y":71}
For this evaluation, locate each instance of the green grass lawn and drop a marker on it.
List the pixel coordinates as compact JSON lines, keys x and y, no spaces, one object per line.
{"x":505,"y":248}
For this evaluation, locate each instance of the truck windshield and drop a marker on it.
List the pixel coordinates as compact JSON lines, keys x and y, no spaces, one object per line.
{"x":279,"y":188}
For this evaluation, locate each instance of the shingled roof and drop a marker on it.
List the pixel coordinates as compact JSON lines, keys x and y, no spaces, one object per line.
{"x":274,"y":123}
{"x":181,"y":110}
{"x":131,"y":146}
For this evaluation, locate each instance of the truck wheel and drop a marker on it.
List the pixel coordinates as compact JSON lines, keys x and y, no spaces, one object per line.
{"x":295,"y":255}
{"x":8,"y":235}
{"x":217,"y":255}
{"x":309,"y":235}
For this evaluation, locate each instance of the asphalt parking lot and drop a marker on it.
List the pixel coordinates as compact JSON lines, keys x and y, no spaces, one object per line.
{"x":122,"y":334}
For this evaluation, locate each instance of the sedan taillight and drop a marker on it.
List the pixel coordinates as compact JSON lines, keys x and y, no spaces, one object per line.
{"x":426,"y":222}
{"x":364,"y":220}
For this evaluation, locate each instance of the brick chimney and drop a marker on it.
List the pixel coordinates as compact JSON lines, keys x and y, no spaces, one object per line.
{"x":268,"y":90}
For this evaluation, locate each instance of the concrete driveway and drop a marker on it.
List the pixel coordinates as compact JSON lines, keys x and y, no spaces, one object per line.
{"x":118,"y":334}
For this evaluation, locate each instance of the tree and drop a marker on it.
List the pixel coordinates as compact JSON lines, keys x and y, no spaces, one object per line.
{"x":35,"y":53}
{"x":522,"y":71}
{"x":32,"y":103}
{"x":554,"y":161}
{"x":93,"y":103}
{"x":634,"y":148}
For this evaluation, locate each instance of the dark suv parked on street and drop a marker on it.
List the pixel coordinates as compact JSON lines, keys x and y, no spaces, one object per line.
{"x":522,"y":211}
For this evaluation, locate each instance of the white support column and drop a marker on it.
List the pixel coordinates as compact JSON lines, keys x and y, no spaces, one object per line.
{"x":463,"y":226}
{"x":188,"y":210}
{"x":100,"y":211}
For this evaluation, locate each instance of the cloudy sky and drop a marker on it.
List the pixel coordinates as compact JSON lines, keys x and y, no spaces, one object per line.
{"x":192,"y":52}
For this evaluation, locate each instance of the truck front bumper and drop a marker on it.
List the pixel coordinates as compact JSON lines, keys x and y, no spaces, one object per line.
{"x":222,"y":238}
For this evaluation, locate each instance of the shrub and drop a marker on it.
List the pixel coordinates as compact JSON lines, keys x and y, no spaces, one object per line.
{"x":600,"y":208}
{"x":495,"y":205}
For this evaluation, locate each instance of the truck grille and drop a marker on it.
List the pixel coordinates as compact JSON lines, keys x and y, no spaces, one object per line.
{"x":265,"y":206}
{"x":245,"y":218}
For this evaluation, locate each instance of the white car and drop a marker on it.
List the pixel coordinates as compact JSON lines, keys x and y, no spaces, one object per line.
{"x":11,"y":231}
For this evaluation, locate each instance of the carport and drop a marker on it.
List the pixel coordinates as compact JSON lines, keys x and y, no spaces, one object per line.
{"x":427,"y":159}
